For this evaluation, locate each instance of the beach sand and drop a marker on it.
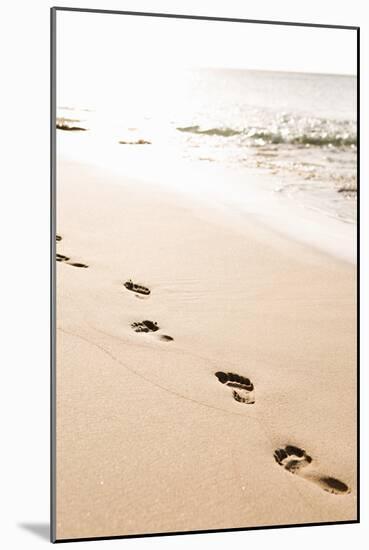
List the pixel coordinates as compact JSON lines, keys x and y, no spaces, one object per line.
{"x":148,"y":438}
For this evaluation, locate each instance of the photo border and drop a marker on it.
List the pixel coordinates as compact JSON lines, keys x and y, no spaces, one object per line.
{"x":53,"y":457}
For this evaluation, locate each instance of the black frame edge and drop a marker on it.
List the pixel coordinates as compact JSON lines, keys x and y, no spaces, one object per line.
{"x":206,"y":18}
{"x":208,"y":531}
{"x":53,"y":274}
{"x":358,"y":268}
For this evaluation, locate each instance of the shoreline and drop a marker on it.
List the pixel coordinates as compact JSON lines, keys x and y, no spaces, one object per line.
{"x":146,"y":429}
{"x":247,"y":192}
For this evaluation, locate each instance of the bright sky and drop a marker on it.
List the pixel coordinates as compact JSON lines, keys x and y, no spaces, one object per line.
{"x":97,"y":48}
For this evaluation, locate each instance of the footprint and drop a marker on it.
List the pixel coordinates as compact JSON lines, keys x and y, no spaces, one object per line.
{"x":292,"y":458}
{"x":130,"y":285}
{"x":151,"y":326}
{"x":62,"y":258}
{"x":295,"y":460}
{"x":77,"y":264}
{"x":145,"y":326}
{"x":245,"y":388}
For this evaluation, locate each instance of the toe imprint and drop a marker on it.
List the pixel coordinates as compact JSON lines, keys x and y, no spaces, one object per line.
{"x":245,"y":388}
{"x":145,"y":326}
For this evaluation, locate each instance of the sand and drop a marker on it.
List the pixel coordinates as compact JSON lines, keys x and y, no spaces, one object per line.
{"x":148,"y":438}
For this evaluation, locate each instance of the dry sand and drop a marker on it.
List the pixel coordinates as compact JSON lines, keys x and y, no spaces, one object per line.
{"x":148,"y":439}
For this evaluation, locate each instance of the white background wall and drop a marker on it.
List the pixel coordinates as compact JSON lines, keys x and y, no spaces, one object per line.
{"x":24,"y":273}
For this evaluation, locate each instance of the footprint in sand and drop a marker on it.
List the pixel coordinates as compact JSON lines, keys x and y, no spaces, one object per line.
{"x":150,"y":326}
{"x":66,"y":259}
{"x":77,"y":264}
{"x":145,"y":326}
{"x":134,"y":287}
{"x":245,"y":388}
{"x":295,"y":460}
{"x":62,"y":258}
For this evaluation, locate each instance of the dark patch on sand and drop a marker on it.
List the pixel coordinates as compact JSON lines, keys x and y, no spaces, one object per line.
{"x":68,"y":128}
{"x":137,"y":142}
{"x":166,"y":338}
{"x":68,"y":124}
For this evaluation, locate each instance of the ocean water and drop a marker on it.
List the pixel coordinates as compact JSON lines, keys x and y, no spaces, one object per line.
{"x":297,"y":129}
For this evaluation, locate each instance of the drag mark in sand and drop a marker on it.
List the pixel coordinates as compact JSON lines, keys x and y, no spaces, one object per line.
{"x":149,"y":380}
{"x":295,"y":460}
{"x":244,"y":392}
{"x":268,"y":434}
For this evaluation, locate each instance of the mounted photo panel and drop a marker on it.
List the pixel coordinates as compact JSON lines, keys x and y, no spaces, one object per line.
{"x":204,"y":183}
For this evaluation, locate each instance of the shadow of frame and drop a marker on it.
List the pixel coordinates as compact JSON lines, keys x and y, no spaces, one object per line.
{"x":42,"y":530}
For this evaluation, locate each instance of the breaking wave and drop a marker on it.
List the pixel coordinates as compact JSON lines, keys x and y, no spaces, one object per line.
{"x":224,"y":132}
{"x":336,"y":140}
{"x":287,"y":130}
